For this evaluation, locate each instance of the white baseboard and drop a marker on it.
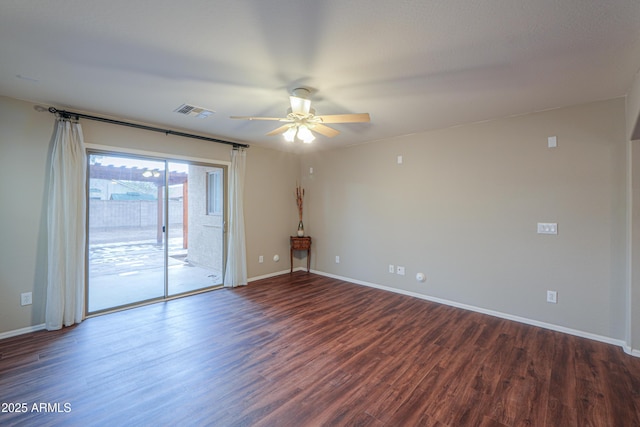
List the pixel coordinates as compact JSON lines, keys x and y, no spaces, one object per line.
{"x":494,"y":313}
{"x":21,"y":331}
{"x":277,"y":273}
{"x":41,"y":327}
{"x":627,"y":349}
{"x":630,"y":351}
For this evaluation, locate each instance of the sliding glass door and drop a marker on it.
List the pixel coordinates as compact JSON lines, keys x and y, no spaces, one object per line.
{"x":196,"y":229}
{"x":156,"y":229}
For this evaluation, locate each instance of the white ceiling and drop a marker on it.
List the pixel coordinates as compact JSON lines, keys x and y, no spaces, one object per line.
{"x":413,"y":65}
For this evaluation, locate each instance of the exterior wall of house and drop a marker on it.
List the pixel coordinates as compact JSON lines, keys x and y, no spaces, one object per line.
{"x":206,"y":237}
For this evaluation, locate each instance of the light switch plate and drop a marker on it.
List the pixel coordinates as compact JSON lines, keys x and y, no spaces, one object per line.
{"x":552,"y":142}
{"x":547,"y":228}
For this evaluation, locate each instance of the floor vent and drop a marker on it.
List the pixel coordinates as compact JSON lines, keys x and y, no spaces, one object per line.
{"x":191,"y":110}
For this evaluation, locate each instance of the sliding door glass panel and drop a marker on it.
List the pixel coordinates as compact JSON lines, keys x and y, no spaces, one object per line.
{"x":126,"y":239}
{"x":195,"y":227}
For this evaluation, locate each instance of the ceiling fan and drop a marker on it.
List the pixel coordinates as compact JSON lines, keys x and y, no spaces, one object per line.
{"x":301,"y":120}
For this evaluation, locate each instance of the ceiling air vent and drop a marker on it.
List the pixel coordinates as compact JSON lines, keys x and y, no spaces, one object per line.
{"x":191,"y":110}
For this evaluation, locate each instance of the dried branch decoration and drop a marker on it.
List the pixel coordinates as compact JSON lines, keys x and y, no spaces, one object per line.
{"x":299,"y":199}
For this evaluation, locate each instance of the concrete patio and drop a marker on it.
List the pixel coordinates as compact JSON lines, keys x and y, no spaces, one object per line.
{"x":127,"y":272}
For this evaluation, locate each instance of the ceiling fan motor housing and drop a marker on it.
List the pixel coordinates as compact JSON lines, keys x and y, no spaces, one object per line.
{"x":301,"y":92}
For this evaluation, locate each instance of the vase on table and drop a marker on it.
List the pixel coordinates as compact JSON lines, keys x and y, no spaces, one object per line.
{"x":300,"y":229}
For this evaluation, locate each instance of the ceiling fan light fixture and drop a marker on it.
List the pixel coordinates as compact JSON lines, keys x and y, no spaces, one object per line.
{"x":290,"y":134}
{"x":305,"y":134}
{"x":301,"y":121}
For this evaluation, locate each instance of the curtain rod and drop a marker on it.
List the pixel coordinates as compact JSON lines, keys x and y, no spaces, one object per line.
{"x":70,"y":114}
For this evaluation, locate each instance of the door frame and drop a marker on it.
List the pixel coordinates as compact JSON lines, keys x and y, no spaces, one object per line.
{"x":167,"y":158}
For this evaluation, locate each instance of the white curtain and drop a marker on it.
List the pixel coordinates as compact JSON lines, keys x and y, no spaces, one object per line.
{"x":236,"y":269}
{"x":66,"y":227}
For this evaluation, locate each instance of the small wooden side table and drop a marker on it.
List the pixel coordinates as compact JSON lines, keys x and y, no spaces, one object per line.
{"x":300,"y":244}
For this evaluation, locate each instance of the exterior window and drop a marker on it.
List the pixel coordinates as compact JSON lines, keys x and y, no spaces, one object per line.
{"x":214,"y":193}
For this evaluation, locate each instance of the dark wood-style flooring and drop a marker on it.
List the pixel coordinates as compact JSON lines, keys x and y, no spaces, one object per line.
{"x":307,"y":350}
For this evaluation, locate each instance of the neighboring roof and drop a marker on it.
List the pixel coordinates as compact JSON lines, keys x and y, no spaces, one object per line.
{"x":125,"y":173}
{"x":132,"y":196}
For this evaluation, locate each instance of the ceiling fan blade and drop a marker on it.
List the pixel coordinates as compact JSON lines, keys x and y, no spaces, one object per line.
{"x":259,"y":118}
{"x":345,"y":118}
{"x":325,"y":130}
{"x":300,"y":105}
{"x":281,"y":129}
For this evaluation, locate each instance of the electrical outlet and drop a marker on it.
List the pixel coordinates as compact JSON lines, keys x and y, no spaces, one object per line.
{"x":26,"y":298}
{"x":552,"y":297}
{"x":400,"y":270}
{"x":392,"y":269}
{"x":260,"y":259}
{"x":337,"y":259}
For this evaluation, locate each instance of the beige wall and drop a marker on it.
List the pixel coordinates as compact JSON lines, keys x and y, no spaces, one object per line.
{"x":634,"y":303}
{"x":633,"y":109}
{"x":463,"y":209}
{"x":24,"y":149}
{"x":25,"y":136}
{"x":633,"y":132}
{"x":270,"y":209}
